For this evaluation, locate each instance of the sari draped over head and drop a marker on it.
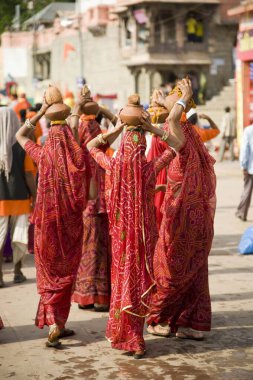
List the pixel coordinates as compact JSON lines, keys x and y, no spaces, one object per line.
{"x":130,"y":205}
{"x":93,"y":277}
{"x":89,"y":128}
{"x":61,"y":199}
{"x":157,"y":148}
{"x":181,"y":257}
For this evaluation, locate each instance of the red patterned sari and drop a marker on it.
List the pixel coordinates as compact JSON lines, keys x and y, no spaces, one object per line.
{"x":57,"y":216}
{"x":157,"y":148}
{"x":130,"y":202}
{"x":181,"y":256}
{"x":93,"y":277}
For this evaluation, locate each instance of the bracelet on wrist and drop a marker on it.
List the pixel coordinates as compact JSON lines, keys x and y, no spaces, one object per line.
{"x":165,"y":136}
{"x":29,"y":125}
{"x":75,"y":114}
{"x":101,"y":139}
{"x":181,"y":103}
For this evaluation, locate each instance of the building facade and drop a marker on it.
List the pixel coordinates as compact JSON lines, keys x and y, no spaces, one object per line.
{"x":122,"y":46}
{"x":244,"y":65}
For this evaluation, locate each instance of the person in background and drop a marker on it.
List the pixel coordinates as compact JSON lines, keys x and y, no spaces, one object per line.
{"x":228,"y":134}
{"x":206,"y":133}
{"x":22,"y":104}
{"x":69,"y":99}
{"x":13,"y":100}
{"x":22,"y":116}
{"x":246,"y":161}
{"x":199,"y":30}
{"x":191,"y":25}
{"x":17,"y":185}
{"x":92,"y":287}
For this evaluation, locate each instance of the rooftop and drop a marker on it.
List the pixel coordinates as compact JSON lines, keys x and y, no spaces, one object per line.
{"x":245,"y":7}
{"x":48,"y":14}
{"x":135,"y":2}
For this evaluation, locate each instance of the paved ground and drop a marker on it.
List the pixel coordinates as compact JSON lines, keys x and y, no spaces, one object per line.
{"x":225,"y":355}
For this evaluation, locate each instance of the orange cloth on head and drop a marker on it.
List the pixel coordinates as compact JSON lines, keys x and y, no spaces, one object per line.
{"x":206,"y":134}
{"x":18,"y":207}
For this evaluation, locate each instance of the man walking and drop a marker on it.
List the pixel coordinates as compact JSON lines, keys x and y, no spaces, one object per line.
{"x":246,"y":161}
{"x":228,"y":131}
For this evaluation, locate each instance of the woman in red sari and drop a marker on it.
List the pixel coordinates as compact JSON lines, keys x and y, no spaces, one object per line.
{"x":57,"y":216}
{"x":93,"y":278}
{"x":130,"y":202}
{"x":181,"y":303}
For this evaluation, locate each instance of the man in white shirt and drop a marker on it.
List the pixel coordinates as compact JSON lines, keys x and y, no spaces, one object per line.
{"x":228,"y":134}
{"x":246,"y":161}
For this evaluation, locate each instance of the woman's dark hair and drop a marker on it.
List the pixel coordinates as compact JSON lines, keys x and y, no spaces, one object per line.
{"x":193,"y":119}
{"x":22,"y":114}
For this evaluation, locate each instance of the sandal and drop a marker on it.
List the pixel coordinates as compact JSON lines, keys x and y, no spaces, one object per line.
{"x":64,"y":333}
{"x":53,"y":337}
{"x":188,"y":333}
{"x":19,"y":278}
{"x":139,"y":354}
{"x":101,"y":308}
{"x":159,"y":330}
{"x":1,"y":283}
{"x":85,"y":307}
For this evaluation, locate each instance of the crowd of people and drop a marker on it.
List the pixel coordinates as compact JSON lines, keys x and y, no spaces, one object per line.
{"x":126,"y":231}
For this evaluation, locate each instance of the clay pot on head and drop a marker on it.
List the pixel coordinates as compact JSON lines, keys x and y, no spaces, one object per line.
{"x":90,"y":108}
{"x":59,"y":111}
{"x":53,"y":95}
{"x":131,"y":113}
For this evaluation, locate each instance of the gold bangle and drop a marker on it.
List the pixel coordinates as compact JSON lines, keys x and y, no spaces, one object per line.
{"x":101,"y":139}
{"x":165,"y":136}
{"x":74,"y":114}
{"x":29,"y":125}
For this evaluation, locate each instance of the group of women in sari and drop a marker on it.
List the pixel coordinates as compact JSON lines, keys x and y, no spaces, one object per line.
{"x":162,"y":277}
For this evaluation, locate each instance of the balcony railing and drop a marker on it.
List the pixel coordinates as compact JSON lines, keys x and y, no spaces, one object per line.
{"x":171,"y":47}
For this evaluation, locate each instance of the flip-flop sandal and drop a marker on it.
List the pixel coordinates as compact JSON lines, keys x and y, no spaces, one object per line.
{"x":85,"y":307}
{"x":151,"y":330}
{"x":55,"y":344}
{"x":139,"y":355}
{"x":66,"y":332}
{"x":101,"y":308}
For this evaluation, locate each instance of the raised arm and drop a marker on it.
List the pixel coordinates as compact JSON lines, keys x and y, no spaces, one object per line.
{"x":105,"y":138}
{"x":23,"y":134}
{"x":75,"y":116}
{"x":175,"y":138}
{"x":109,"y":115}
{"x":210,"y":121}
